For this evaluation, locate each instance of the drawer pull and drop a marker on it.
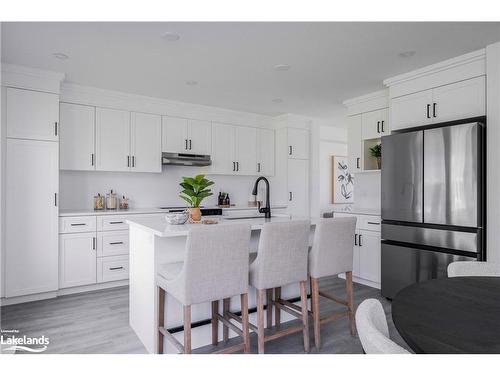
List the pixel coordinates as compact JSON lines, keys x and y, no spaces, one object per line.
{"x":116,"y":222}
{"x":116,"y":243}
{"x":373,"y":223}
{"x":78,"y":224}
{"x":115,"y":268}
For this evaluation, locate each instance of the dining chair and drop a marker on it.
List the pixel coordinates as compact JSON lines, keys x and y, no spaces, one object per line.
{"x":373,"y":331}
{"x":473,"y":268}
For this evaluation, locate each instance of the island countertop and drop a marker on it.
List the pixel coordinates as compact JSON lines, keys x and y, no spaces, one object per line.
{"x":159,"y":227}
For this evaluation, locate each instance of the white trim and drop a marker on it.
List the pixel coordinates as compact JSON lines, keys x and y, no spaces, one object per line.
{"x":31,"y":78}
{"x":366,"y":98}
{"x":439,"y":67}
{"x":367,"y":103}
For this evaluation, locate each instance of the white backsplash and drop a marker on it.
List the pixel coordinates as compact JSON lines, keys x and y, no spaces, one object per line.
{"x":77,"y":189}
{"x":367,"y":190}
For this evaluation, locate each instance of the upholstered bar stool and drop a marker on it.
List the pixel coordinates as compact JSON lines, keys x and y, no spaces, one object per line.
{"x":281,"y":260}
{"x":330,"y":255}
{"x":215,"y":267}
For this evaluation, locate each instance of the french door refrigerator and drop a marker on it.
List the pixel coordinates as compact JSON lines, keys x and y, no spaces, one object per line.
{"x":432,"y":202}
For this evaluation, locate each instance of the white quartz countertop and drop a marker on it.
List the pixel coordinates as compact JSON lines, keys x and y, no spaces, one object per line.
{"x":347,"y":209}
{"x":159,"y":227}
{"x":148,"y":210}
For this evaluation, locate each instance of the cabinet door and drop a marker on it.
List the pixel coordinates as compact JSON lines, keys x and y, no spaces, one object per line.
{"x":265,"y":152}
{"x":385,"y":128}
{"x":223,"y":146}
{"x":199,"y":137}
{"x":460,"y":100}
{"x":354,"y":142}
{"x":298,"y":143}
{"x":411,"y":110}
{"x":174,"y":134}
{"x":32,"y":114}
{"x":31,"y":185}
{"x":372,"y":124}
{"x":369,"y":255}
{"x":246,"y":150}
{"x":298,"y":187}
{"x":77,"y":137}
{"x":77,"y":259}
{"x":112,"y":140}
{"x":145,"y":142}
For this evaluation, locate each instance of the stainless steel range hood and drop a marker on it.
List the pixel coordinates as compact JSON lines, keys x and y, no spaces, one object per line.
{"x":172,"y":158}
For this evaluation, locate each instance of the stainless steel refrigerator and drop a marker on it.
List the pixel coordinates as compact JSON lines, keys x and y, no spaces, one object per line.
{"x":433,"y":209}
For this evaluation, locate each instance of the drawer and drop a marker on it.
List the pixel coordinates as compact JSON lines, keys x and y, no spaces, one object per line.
{"x":112,"y":268}
{"x":112,"y":222}
{"x":77,"y":224}
{"x":112,"y":243}
{"x":368,"y":222}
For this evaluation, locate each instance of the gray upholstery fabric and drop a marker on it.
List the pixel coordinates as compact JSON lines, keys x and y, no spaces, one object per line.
{"x":373,"y":330}
{"x":332,"y":249}
{"x":215,"y":265}
{"x":473,"y":268}
{"x":282,"y":255}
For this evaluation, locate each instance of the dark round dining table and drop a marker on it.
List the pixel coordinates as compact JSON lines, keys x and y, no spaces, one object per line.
{"x":454,"y":315}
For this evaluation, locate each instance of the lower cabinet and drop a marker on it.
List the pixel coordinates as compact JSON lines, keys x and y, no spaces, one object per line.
{"x":77,"y":259}
{"x":112,"y":268}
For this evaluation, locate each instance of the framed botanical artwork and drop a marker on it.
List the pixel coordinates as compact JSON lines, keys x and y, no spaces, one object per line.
{"x":342,"y":181}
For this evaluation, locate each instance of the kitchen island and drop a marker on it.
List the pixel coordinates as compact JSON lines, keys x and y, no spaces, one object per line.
{"x":154,"y":242}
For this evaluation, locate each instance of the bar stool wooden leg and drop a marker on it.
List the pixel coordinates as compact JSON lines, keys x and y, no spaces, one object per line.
{"x":315,"y":311}
{"x":215,"y":322}
{"x":260,"y":320}
{"x":244,"y":323}
{"x":269,"y":308}
{"x":305,"y":314}
{"x":225,"y":310}
{"x":350,"y":301}
{"x":277,"y":311}
{"x":161,"y":318}
{"x":187,"y":329}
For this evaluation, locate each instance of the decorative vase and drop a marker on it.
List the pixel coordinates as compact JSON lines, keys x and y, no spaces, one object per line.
{"x":195,"y":213}
{"x":379,"y":162}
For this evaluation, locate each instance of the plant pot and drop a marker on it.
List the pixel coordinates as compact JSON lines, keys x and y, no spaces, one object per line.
{"x":379,"y":163}
{"x":195,"y":213}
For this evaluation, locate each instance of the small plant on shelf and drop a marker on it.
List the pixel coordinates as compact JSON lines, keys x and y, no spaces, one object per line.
{"x":376,"y":152}
{"x":194,"y":190}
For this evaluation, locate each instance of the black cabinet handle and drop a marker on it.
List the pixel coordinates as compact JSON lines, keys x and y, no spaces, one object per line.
{"x":133,"y":161}
{"x":78,"y":224}
{"x":234,"y":166}
{"x":258,"y":167}
{"x":428,"y":110}
{"x":93,"y":243}
{"x":55,"y":199}
{"x":190,"y":144}
{"x":115,"y":268}
{"x":55,"y":128}
{"x":116,"y":222}
{"x":116,"y":243}
{"x":360,"y":244}
{"x":373,"y":223}
{"x":290,"y":196}
{"x":290,"y":150}
{"x":128,"y":160}
{"x":355,"y":239}
{"x":378,"y":126}
{"x":92,"y":159}
{"x":186,"y":144}
{"x":434,"y":110}
{"x":357,"y":163}
{"x":382,"y":124}
{"x":237,"y":166}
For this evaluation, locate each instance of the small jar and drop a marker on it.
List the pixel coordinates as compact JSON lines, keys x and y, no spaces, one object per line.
{"x":99,"y":202}
{"x":124,"y":203}
{"x":111,"y":201}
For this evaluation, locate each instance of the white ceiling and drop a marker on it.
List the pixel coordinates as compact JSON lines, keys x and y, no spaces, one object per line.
{"x":233,"y":62}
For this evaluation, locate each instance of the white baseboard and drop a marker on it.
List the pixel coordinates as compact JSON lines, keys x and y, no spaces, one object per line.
{"x":362,"y":281}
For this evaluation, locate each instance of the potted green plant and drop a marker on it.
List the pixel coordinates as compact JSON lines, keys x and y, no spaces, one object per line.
{"x":376,"y":152}
{"x":194,"y":190}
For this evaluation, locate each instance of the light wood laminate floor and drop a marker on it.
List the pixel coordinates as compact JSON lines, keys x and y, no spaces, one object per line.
{"x":97,"y":322}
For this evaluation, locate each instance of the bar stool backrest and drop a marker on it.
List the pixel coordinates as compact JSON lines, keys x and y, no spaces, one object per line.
{"x":332,"y":250}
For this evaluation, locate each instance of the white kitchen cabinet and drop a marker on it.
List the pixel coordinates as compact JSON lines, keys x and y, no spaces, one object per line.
{"x":455,"y":101}
{"x":369,"y":255}
{"x":354,"y":143}
{"x":32,"y":114}
{"x":265,"y":152}
{"x":77,"y":137}
{"x":31,"y":227}
{"x":182,"y":135}
{"x":77,"y":259}
{"x":298,"y":187}
{"x":223,"y":154}
{"x":112,"y":140}
{"x":112,"y":268}
{"x":298,"y":143}
{"x":145,"y":142}
{"x":374,"y":124}
{"x":245,"y":150}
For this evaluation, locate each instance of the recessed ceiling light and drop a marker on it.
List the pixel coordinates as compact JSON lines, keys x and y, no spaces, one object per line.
{"x":191,"y":82}
{"x":282,"y":67}
{"x":60,"y":56}
{"x":170,"y":36}
{"x":277,"y":100}
{"x":407,"y":54}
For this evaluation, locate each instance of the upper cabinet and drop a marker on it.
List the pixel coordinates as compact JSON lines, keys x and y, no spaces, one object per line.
{"x":245,"y":144}
{"x":265,"y":152}
{"x":182,"y":135}
{"x":32,"y":115}
{"x":112,"y":140}
{"x":354,"y":142}
{"x":145,"y":142}
{"x":450,"y":102}
{"x":77,"y":137}
{"x":374,"y":124}
{"x":298,"y":143}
